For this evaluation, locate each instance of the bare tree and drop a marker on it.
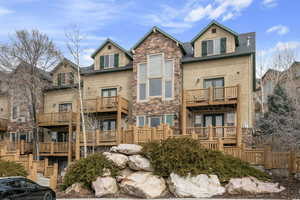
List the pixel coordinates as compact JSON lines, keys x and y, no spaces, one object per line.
{"x":74,"y":39}
{"x":29,"y":54}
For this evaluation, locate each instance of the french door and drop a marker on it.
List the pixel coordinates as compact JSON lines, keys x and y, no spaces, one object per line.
{"x":216,"y":121}
{"x":218,"y":87}
{"x":108,"y":125}
{"x":109,"y":94}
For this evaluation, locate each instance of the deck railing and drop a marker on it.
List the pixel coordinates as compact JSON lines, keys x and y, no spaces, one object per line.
{"x":98,"y":137}
{"x":102,"y":104}
{"x":212,"y":95}
{"x":53,"y":148}
{"x":3,"y":124}
{"x":210,"y":133}
{"x":56,"y":118}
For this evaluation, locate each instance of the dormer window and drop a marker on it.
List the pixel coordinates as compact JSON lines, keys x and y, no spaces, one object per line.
{"x":213,"y":47}
{"x":108,"y":47}
{"x":214,"y":30}
{"x":109,"y":61}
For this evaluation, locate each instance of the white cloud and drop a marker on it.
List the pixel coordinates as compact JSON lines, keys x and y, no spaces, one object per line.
{"x":280,"y":46}
{"x":269,"y":3}
{"x":180,"y":19}
{"x":86,"y":56}
{"x":5,"y":11}
{"x":279,"y":29}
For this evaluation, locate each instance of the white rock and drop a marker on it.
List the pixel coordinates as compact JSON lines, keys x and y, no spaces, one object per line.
{"x":199,"y":186}
{"x":128,"y":149}
{"x":124,"y":173}
{"x":139,"y":163}
{"x":104,"y":186}
{"x":119,"y":159}
{"x":144,"y":185}
{"x":78,"y":188}
{"x":251,"y":185}
{"x":106,"y":172}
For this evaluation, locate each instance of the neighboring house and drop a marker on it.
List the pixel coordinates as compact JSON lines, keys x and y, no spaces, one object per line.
{"x":289,"y":79}
{"x":204,"y":86}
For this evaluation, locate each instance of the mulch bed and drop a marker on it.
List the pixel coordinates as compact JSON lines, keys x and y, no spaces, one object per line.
{"x":292,"y":191}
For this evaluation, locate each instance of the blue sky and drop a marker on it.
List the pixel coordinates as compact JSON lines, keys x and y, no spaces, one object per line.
{"x":276,"y":22}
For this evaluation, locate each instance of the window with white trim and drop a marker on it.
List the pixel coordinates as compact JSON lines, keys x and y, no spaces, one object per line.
{"x":155,"y":78}
{"x":141,"y":121}
{"x":155,"y":120}
{"x":230,"y":121}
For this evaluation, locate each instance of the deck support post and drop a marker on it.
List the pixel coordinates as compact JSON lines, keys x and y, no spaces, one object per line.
{"x":183,"y":113}
{"x":119,"y":117}
{"x":70,"y":140}
{"x":238,"y":117}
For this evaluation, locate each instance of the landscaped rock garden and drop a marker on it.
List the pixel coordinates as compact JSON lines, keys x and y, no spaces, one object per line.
{"x":159,"y":170}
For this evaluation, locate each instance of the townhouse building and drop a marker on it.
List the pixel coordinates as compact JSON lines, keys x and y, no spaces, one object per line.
{"x":203,"y":87}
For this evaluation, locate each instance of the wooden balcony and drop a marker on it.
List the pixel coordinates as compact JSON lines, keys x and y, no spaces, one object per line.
{"x":228,"y":134}
{"x":53,"y":148}
{"x":56,"y":119}
{"x":106,"y":104}
{"x":211,"y":96}
{"x":3,"y":124}
{"x":100,"y":138}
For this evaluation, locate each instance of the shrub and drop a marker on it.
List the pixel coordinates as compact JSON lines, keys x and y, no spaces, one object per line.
{"x":9,"y":168}
{"x":86,"y":170}
{"x":185,"y":156}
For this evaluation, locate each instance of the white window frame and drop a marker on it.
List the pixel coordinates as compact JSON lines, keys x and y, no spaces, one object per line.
{"x":138,"y":83}
{"x":109,"y":67}
{"x":213,"y":50}
{"x":155,"y":116}
{"x":165,"y":118}
{"x":154,"y":77}
{"x":137,"y":120}
{"x":162,"y":77}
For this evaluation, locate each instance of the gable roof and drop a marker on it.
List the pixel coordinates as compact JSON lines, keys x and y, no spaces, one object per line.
{"x":154,"y":29}
{"x":113,"y":43}
{"x":65,"y":60}
{"x":213,"y":22}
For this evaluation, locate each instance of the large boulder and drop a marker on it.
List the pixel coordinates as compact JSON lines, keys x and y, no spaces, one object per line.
{"x":251,"y":185}
{"x":105,"y":186}
{"x":139,"y":163}
{"x":123,"y":174}
{"x":144,"y":185}
{"x":200,"y":186}
{"x":119,"y":159}
{"x":128,"y":149}
{"x":78,"y":188}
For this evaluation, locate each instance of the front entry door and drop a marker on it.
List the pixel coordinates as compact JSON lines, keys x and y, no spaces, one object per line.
{"x":215,"y":120}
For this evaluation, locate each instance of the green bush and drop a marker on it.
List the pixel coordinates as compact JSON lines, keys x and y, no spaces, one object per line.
{"x":9,"y":168}
{"x":86,"y":170}
{"x":184,"y":156}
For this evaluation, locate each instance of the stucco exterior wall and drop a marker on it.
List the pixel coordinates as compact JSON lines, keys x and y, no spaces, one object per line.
{"x":123,"y":59}
{"x":52,"y":99}
{"x":4,"y":109}
{"x":120,"y":80}
{"x":236,"y":71}
{"x":208,"y":35}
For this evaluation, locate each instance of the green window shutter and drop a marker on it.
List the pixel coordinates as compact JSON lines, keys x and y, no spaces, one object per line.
{"x":223,"y":45}
{"x":59,"y":79}
{"x":71,"y":78}
{"x":116,"y":60}
{"x":204,"y":48}
{"x":101,"y":62}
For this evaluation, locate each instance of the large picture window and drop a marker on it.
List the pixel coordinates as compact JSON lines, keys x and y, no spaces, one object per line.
{"x":155,"y":78}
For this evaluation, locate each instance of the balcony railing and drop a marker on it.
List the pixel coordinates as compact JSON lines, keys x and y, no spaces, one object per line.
{"x":99,"y":137}
{"x":212,"y":95}
{"x":214,"y":132}
{"x":53,"y":148}
{"x":104,"y":104}
{"x":3,"y":124}
{"x":58,"y":118}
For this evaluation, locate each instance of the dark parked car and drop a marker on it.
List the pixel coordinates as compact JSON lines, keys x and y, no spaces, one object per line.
{"x":15,"y":188}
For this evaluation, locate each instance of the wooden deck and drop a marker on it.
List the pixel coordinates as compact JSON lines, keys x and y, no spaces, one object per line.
{"x":227,"y":133}
{"x":56,"y":119}
{"x":100,"y":138}
{"x":3,"y":124}
{"x":53,"y":148}
{"x":211,"y":96}
{"x":106,"y":104}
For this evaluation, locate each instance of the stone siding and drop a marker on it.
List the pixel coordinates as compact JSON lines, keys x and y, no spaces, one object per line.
{"x":154,"y":44}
